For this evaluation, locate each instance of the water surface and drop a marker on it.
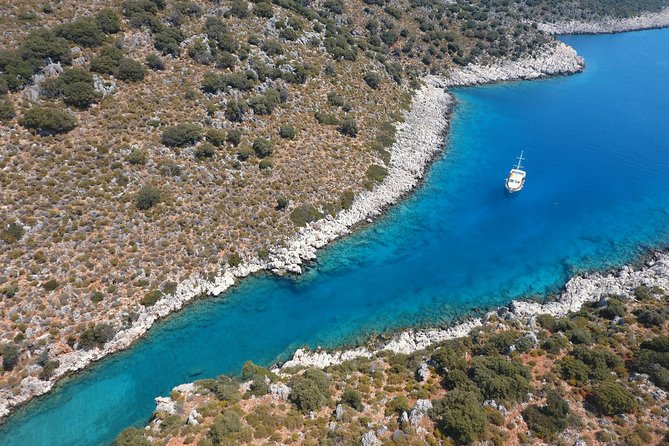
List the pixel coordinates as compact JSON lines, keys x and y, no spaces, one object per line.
{"x":597,"y":195}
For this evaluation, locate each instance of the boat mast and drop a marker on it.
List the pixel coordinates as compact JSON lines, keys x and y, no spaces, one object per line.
{"x":520,"y":159}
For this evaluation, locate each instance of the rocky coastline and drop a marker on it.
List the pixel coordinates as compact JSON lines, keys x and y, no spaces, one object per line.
{"x":578,"y":291}
{"x":609,"y":25}
{"x":419,"y":139}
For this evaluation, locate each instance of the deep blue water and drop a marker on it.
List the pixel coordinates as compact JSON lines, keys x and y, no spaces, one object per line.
{"x":597,"y":195}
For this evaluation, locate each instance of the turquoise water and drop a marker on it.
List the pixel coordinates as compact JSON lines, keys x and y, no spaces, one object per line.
{"x":597,"y":195}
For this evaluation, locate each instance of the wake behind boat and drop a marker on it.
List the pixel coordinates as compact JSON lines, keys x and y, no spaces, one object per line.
{"x":516,"y":179}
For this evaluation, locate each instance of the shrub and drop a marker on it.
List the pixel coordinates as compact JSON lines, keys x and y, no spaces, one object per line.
{"x":215,"y":137}
{"x":47,"y":369}
{"x":181,"y":135}
{"x":97,"y":335}
{"x":265,"y":104}
{"x":310,"y":391}
{"x":265,"y":164}
{"x":240,"y":8}
{"x":48,"y":120}
{"x":352,"y":398}
{"x":287,"y":132}
{"x":263,"y":147}
{"x":10,"y":356}
{"x":264,"y":9}
{"x":4,"y":86}
{"x":167,"y":40}
{"x":147,"y":197}
{"x":6,"y":110}
{"x":42,"y":44}
{"x":137,"y":157}
{"x":234,"y":110}
{"x":372,"y":79}
{"x":500,"y":379}
{"x":652,"y":318}
{"x":130,"y":70}
{"x":234,"y":259}
{"x":15,"y":72}
{"x":653,"y":359}
{"x":132,"y":436}
{"x":550,"y":419}
{"x":226,"y":60}
{"x":611,"y":398}
{"x":234,"y":137}
{"x":282,"y":203}
{"x":349,"y":127}
{"x":251,"y":370}
{"x":84,"y":32}
{"x":97,"y":297}
{"x":205,"y":151}
{"x":460,"y":415}
{"x":151,"y":298}
{"x":245,"y":153}
{"x":574,"y":370}
{"x":12,"y":233}
{"x":614,"y":307}
{"x":376,"y":173}
{"x":50,"y":285}
{"x":225,"y":427}
{"x":304,"y":214}
{"x":108,"y":60}
{"x":108,"y":21}
{"x":154,"y":62}
{"x":346,"y":199}
{"x":397,"y":405}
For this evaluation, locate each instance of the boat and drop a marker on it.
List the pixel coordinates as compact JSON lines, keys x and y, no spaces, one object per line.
{"x":516,"y":179}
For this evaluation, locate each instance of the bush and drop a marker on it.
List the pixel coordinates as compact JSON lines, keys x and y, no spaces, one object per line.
{"x":349,"y":127}
{"x":311,"y":390}
{"x":205,"y":151}
{"x":43,"y":44}
{"x":154,"y":62}
{"x":108,"y":60}
{"x":240,"y":8}
{"x":376,"y":173}
{"x":97,"y":335}
{"x":108,"y":21}
{"x":550,"y":419}
{"x":225,"y":427}
{"x":12,"y":233}
{"x":147,"y":197}
{"x":304,"y":214}
{"x":352,"y":398}
{"x":215,"y":137}
{"x":6,"y":110}
{"x":181,"y":135}
{"x":15,"y":72}
{"x":84,"y":32}
{"x":372,"y":79}
{"x":265,"y":103}
{"x":10,"y":356}
{"x":460,"y":415}
{"x":48,"y":120}
{"x":137,"y":157}
{"x":652,"y":318}
{"x":263,"y":147}
{"x":614,"y":307}
{"x":151,"y":298}
{"x":167,"y":41}
{"x":50,"y":285}
{"x":287,"y":132}
{"x":653,"y":359}
{"x":47,"y":369}
{"x":234,"y":110}
{"x":234,"y":137}
{"x":574,"y":370}
{"x":130,"y":70}
{"x":611,"y":398}
{"x":499,"y":378}
{"x":234,"y":259}
{"x":132,"y":436}
{"x":265,"y":164}
{"x":282,"y":203}
{"x":264,"y":9}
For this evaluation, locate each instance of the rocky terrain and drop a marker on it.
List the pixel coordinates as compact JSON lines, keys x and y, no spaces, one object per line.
{"x":609,"y":25}
{"x":595,"y":346}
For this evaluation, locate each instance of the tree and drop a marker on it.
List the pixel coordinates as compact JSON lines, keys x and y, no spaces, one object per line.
{"x":460,"y":415}
{"x":181,"y":135}
{"x":130,"y":70}
{"x":84,"y":32}
{"x":147,"y":197}
{"x":550,"y":419}
{"x":42,"y":44}
{"x":154,"y":62}
{"x":108,"y":21}
{"x":263,"y":147}
{"x":234,"y":110}
{"x":611,"y":398}
{"x":97,"y":335}
{"x":132,"y":437}
{"x":48,"y":120}
{"x":234,"y":137}
{"x":10,"y":356}
{"x":311,"y":390}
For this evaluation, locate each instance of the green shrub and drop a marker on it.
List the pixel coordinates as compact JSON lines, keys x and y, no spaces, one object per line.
{"x":304,"y":214}
{"x":281,"y":203}
{"x":287,"y":132}
{"x":611,"y":398}
{"x":372,"y":79}
{"x":225,"y":427}
{"x":108,"y":21}
{"x":461,"y":416}
{"x":137,"y":157}
{"x":234,"y":259}
{"x":245,"y":153}
{"x":151,"y":298}
{"x":376,"y":173}
{"x":215,"y":137}
{"x":326,"y":118}
{"x":614,"y":307}
{"x":84,"y":32}
{"x":97,"y":335}
{"x":234,"y":137}
{"x":6,"y":110}
{"x":346,"y":199}
{"x":10,"y":356}
{"x":397,"y":405}
{"x":311,"y":390}
{"x":50,"y":285}
{"x":154,"y":62}
{"x":574,"y":370}
{"x":240,"y":8}
{"x":130,"y":70}
{"x":653,"y":359}
{"x":42,"y":44}
{"x":147,"y":197}
{"x":12,"y":233}
{"x":652,"y":318}
{"x":235,"y":110}
{"x":251,"y":370}
{"x":352,"y":398}
{"x":108,"y":60}
{"x":265,"y":103}
{"x":263,"y":147}
{"x":550,"y":419}
{"x":264,"y":9}
{"x":132,"y":436}
{"x":47,"y":369}
{"x":167,"y":40}
{"x":205,"y":151}
{"x":97,"y":297}
{"x":15,"y":72}
{"x":48,"y":120}
{"x":181,"y":135}
{"x":349,"y":127}
{"x":265,"y":164}
{"x":500,"y":379}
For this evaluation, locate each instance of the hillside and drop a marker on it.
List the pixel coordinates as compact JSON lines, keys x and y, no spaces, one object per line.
{"x":144,"y":142}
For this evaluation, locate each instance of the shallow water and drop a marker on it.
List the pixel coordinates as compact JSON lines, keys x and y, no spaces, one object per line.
{"x":596,"y":196}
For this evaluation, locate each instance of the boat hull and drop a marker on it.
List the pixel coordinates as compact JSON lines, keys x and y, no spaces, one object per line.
{"x":514,"y":188}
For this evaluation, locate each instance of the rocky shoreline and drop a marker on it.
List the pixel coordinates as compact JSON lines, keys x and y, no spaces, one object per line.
{"x":419,"y":139}
{"x":610,"y":25}
{"x":578,"y":291}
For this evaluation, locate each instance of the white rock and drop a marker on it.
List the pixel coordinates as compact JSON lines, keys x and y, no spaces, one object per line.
{"x":369,"y":439}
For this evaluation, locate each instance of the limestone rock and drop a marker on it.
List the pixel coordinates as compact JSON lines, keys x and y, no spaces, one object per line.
{"x":369,"y":439}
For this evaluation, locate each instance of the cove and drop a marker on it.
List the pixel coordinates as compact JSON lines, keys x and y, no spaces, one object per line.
{"x":596,"y":196}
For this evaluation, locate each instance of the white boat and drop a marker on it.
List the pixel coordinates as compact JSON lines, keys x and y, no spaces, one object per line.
{"x":516,"y":179}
